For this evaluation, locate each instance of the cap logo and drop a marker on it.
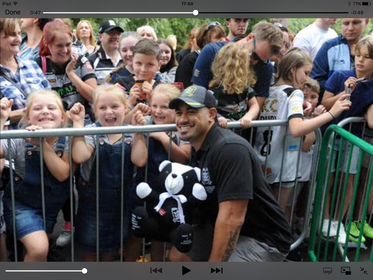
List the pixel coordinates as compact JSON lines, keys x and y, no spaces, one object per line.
{"x":190,"y":91}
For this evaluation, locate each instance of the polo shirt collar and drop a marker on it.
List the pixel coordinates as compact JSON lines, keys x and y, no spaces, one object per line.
{"x":211,"y":138}
{"x":343,"y":39}
{"x":101,"y":52}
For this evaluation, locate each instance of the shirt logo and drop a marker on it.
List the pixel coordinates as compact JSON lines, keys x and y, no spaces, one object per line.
{"x":206,"y":180}
{"x":206,"y":176}
{"x":270,"y":105}
{"x":175,"y":215}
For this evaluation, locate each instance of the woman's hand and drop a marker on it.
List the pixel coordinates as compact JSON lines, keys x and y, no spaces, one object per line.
{"x":70,"y":67}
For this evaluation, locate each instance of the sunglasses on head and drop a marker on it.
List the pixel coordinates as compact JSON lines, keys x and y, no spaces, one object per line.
{"x":212,"y":25}
{"x":282,"y":27}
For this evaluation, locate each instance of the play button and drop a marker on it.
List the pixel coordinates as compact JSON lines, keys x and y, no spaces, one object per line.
{"x":184,"y":270}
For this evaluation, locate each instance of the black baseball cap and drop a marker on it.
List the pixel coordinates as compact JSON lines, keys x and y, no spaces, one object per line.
{"x":108,"y":26}
{"x":196,"y":97}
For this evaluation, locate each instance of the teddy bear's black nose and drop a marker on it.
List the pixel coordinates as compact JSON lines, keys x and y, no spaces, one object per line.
{"x":174,"y":175}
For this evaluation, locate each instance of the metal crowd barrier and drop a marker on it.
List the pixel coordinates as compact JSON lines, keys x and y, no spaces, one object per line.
{"x":343,"y":196}
{"x":71,"y":132}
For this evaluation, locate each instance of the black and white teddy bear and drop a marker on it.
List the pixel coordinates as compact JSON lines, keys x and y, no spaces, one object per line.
{"x":167,"y":214}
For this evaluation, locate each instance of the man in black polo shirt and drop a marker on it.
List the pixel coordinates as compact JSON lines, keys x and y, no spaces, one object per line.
{"x":241,"y":220}
{"x":107,"y":58}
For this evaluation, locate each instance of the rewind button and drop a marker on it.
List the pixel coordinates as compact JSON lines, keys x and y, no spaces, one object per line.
{"x":156,"y":270}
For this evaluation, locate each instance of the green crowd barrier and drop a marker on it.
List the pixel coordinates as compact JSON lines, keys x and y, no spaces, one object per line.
{"x":342,"y":197}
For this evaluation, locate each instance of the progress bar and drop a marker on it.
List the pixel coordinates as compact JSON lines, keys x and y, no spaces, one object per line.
{"x":83,"y":271}
{"x":276,"y":12}
{"x":194,"y":12}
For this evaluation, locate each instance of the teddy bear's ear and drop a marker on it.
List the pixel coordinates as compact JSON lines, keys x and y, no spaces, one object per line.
{"x":198,"y":173}
{"x":163,"y":165}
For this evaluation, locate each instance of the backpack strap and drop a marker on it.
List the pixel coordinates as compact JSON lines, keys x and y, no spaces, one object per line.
{"x":44,"y":64}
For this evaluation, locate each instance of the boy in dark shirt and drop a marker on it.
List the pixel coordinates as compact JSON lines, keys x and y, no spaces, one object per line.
{"x":146,"y":59}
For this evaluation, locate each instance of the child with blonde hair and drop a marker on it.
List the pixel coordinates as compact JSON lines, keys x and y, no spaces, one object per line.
{"x":162,"y":114}
{"x":147,"y":32}
{"x":162,"y":146}
{"x":110,"y":106}
{"x":44,"y":110}
{"x":231,"y":84}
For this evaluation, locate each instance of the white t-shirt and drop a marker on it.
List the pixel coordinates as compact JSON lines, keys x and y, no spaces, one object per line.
{"x":305,"y":165}
{"x":312,"y":37}
{"x":277,"y":142}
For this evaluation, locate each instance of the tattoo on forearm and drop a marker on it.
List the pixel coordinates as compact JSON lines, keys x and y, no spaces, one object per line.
{"x":232,"y":241}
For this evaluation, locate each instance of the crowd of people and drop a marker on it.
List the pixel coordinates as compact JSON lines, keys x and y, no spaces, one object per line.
{"x":53,"y":77}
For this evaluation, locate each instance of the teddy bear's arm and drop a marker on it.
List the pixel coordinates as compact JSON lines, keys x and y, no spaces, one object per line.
{"x":143,"y":190}
{"x":199,"y":192}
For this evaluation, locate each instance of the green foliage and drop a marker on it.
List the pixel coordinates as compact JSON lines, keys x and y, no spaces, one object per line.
{"x":181,"y":27}
{"x":297,"y":24}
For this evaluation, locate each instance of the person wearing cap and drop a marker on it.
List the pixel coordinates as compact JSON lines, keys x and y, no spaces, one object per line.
{"x":237,"y":28}
{"x":241,"y":220}
{"x":107,"y":58}
{"x":265,"y":41}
